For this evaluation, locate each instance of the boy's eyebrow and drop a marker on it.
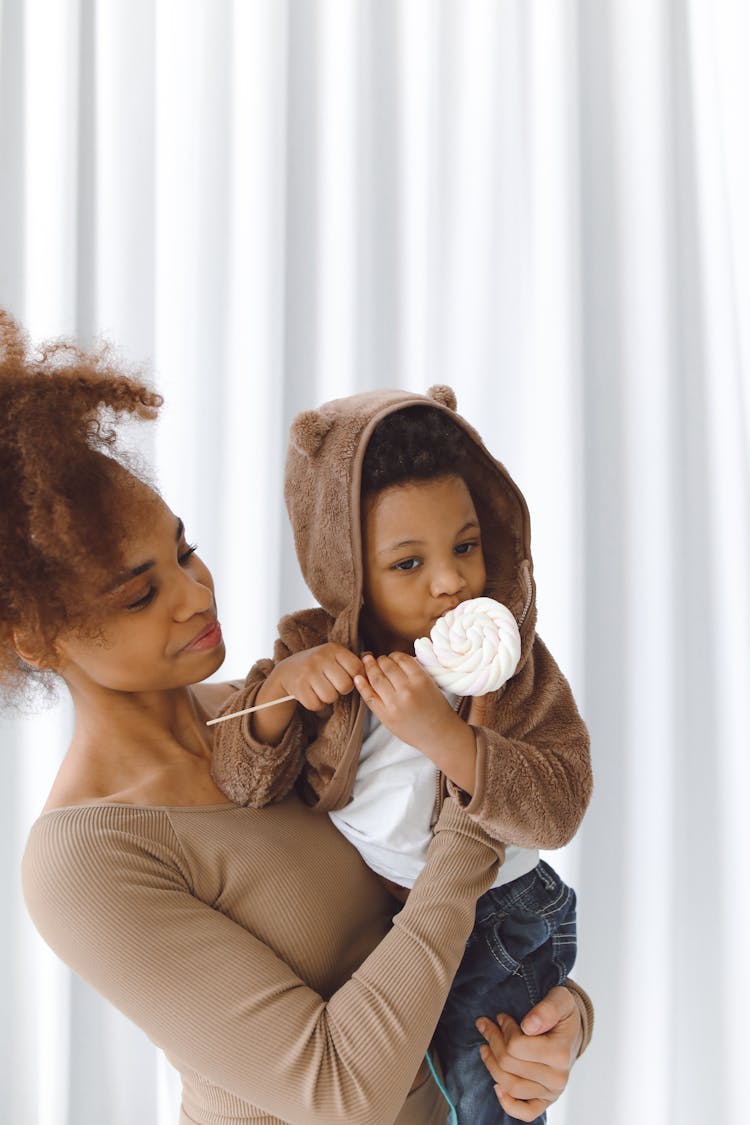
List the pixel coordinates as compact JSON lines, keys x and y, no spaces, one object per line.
{"x":143,"y":567}
{"x":470,"y":525}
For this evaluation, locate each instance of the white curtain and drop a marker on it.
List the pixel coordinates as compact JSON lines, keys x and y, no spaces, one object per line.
{"x":540,"y":202}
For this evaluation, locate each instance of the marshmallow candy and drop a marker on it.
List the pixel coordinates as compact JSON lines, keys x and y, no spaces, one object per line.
{"x":472,"y":649}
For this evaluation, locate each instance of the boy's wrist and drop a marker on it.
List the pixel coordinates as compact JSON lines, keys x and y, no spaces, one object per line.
{"x":454,"y":752}
{"x":270,"y":725}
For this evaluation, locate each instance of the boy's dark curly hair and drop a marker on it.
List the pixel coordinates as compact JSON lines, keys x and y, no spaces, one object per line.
{"x":64,"y":485}
{"x":416,"y":443}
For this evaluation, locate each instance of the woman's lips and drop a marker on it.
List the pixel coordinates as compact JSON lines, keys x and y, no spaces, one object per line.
{"x":209,"y":638}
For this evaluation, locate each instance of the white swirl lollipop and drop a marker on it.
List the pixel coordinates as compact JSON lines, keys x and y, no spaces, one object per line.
{"x":472,"y":649}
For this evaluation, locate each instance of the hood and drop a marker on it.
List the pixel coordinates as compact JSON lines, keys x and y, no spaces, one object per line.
{"x":322,"y":492}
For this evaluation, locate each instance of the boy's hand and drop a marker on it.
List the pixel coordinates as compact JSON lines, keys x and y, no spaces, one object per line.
{"x":318,"y":676}
{"x":314,"y":677}
{"x":409,"y":703}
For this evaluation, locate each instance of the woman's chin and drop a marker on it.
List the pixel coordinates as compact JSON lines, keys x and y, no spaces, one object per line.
{"x":217,"y":658}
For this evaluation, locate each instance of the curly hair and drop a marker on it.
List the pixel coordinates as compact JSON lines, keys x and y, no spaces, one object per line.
{"x":64,"y":482}
{"x":416,"y":443}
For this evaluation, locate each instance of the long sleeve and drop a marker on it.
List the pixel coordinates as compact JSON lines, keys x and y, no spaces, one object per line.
{"x":318,"y":750}
{"x":111,"y":891}
{"x":250,"y":772}
{"x":533,"y":780}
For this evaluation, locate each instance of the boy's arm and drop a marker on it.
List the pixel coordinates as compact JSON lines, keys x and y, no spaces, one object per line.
{"x":247,"y":769}
{"x":257,"y":758}
{"x":409,"y":703}
{"x":528,"y":785}
{"x":532,"y":782}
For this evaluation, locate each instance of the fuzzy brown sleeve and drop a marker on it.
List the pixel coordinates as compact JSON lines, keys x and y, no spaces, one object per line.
{"x":533,"y":772}
{"x":256,"y":773}
{"x":251,"y":772}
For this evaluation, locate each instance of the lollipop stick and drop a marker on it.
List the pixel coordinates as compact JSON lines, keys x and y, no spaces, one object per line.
{"x":249,"y":710}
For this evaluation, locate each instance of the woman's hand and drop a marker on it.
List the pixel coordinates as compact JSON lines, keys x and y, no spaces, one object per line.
{"x":530,"y":1064}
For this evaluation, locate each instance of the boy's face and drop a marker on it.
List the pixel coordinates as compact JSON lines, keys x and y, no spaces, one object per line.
{"x":422,"y":556}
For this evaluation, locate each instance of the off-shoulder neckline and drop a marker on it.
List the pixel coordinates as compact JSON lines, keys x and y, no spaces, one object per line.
{"x":92,"y":805}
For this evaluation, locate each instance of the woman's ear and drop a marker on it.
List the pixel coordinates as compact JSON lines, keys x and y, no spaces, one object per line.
{"x":32,"y":649}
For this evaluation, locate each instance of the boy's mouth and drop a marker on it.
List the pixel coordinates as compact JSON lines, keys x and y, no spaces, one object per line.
{"x":443,"y":612}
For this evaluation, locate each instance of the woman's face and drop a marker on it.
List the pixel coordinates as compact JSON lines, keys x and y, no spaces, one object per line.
{"x":160,"y":628}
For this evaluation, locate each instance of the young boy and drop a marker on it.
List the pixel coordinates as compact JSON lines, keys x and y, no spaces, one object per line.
{"x":399,"y":514}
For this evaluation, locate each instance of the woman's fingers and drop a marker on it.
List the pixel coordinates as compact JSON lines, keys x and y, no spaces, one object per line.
{"x":524,"y":1068}
{"x":553,"y":1009}
{"x":521,"y":1110}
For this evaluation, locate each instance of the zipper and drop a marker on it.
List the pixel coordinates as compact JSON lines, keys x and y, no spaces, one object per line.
{"x":529,"y":594}
{"x":440,"y":776}
{"x":438,"y":797}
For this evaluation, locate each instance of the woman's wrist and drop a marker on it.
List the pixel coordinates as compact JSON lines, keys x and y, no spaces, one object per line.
{"x":460,"y":844}
{"x":586,"y":1012}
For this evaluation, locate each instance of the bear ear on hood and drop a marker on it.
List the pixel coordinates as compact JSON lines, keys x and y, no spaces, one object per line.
{"x":443,"y":394}
{"x":308,"y":430}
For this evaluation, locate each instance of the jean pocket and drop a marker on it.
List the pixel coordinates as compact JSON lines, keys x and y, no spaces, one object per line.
{"x":534,"y":927}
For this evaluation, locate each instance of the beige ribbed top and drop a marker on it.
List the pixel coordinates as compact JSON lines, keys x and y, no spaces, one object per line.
{"x":242,"y":940}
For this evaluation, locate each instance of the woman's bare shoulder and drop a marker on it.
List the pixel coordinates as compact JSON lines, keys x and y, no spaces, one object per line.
{"x":212,"y":696}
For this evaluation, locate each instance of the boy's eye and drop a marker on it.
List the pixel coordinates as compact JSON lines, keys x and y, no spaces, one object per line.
{"x":407,"y":564}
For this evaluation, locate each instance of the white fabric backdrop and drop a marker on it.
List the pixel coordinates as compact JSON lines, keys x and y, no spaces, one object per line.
{"x":543,"y":204}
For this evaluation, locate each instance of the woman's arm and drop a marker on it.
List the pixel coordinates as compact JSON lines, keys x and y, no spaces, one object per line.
{"x":117,"y":906}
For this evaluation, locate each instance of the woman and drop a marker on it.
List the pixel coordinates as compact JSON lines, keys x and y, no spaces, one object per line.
{"x":252,"y":946}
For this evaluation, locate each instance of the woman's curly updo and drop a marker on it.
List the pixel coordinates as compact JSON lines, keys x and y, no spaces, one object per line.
{"x":68,"y":493}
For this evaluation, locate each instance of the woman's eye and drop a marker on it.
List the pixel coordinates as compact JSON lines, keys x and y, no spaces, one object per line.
{"x":187,"y":554}
{"x":407,"y":564}
{"x":144,"y":601}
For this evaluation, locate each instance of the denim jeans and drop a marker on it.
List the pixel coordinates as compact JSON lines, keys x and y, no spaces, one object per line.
{"x":523,"y":943}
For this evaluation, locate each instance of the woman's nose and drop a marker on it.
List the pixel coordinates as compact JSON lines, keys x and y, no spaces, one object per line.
{"x":191,"y":597}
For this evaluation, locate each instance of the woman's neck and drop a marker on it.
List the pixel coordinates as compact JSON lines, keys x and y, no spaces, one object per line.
{"x":142,"y":748}
{"x":147,"y":723}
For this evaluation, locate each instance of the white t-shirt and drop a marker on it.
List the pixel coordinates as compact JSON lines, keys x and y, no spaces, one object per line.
{"x":389,"y":815}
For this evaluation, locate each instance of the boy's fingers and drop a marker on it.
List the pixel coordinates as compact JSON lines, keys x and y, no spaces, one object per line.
{"x":348,"y":660}
{"x":363,"y":686}
{"x":411,"y":669}
{"x":342,"y":680}
{"x":377,"y":674}
{"x":392,"y":669}
{"x":318,"y":692}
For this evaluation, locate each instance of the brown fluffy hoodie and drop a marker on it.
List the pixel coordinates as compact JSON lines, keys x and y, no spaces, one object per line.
{"x":533,"y":776}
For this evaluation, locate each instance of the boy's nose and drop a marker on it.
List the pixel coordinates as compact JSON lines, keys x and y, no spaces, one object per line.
{"x":448,"y":579}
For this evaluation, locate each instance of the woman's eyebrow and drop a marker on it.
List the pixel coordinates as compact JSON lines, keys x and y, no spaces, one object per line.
{"x":143,"y":567}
